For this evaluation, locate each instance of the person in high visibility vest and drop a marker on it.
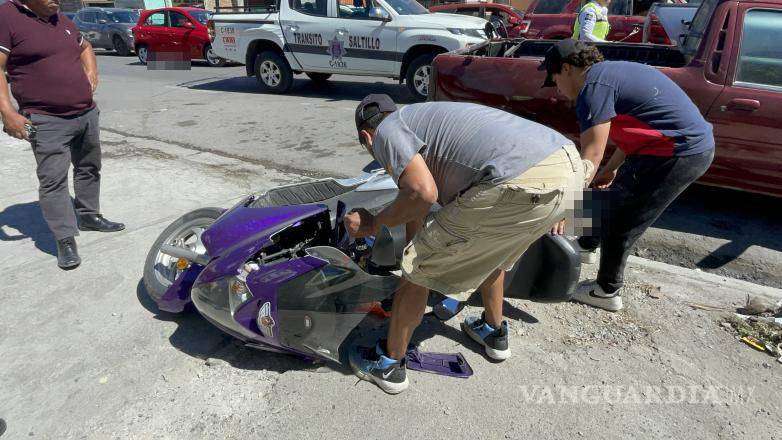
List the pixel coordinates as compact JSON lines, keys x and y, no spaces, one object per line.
{"x":592,"y":21}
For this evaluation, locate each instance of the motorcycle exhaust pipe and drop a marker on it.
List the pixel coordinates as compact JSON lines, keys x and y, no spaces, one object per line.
{"x":187,"y":254}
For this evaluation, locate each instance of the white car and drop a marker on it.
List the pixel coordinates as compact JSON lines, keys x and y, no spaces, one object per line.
{"x":388,"y":38}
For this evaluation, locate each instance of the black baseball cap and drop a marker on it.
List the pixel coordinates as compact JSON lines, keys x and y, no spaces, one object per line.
{"x":552,"y":63}
{"x":371,"y":106}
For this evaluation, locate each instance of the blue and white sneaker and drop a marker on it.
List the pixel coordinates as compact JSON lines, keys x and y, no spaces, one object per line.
{"x":494,"y":340}
{"x":372,"y":364}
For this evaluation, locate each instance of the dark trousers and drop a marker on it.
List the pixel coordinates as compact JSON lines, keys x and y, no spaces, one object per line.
{"x":59,"y":142}
{"x":643,"y":189}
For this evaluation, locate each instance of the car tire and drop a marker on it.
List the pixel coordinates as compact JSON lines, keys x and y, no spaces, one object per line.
{"x":120,"y":46}
{"x":273,"y":73}
{"x":318,"y":77}
{"x":142,"y":52}
{"x":211,"y":59}
{"x":158,"y":273}
{"x":417,"y":76}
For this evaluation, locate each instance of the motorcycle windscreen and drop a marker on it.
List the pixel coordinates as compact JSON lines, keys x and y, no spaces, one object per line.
{"x":319,"y":310}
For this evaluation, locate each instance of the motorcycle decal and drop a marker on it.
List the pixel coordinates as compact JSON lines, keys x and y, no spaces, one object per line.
{"x":265,"y":320}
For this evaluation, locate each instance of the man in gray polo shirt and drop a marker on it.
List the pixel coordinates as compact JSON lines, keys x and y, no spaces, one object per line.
{"x":53,"y":74}
{"x":502,"y":182}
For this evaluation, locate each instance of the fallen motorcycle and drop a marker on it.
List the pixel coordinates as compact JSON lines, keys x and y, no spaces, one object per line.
{"x":279,"y":272}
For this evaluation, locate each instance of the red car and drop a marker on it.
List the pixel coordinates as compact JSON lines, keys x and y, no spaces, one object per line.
{"x":175,"y":30}
{"x":511,"y":17}
{"x":554,"y":19}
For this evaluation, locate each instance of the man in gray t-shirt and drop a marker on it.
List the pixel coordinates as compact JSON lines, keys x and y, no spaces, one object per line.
{"x":501,"y":181}
{"x":462,"y":144}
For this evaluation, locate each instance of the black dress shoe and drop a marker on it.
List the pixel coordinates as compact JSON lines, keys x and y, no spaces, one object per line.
{"x":67,"y":255}
{"x":96,"y":222}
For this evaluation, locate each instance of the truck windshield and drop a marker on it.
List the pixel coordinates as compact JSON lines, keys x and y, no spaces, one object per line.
{"x":407,"y":7}
{"x":122,"y":16}
{"x":698,"y":28}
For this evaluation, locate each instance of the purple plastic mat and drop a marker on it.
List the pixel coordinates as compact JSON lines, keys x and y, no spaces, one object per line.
{"x":446,"y":364}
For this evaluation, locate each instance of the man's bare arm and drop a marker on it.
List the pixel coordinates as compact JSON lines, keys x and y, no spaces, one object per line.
{"x":593,"y":143}
{"x":90,"y":63}
{"x":417,"y":194}
{"x":12,"y":121}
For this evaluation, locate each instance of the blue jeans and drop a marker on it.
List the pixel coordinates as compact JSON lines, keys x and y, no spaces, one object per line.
{"x":643,"y":189}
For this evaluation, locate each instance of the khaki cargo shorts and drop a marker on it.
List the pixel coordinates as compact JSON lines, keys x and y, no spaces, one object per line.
{"x":491,"y":226}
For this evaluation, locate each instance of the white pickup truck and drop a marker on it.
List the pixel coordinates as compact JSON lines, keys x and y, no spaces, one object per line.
{"x":389,"y":38}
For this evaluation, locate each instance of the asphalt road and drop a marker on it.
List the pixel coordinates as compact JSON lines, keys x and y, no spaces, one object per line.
{"x":310,"y":131}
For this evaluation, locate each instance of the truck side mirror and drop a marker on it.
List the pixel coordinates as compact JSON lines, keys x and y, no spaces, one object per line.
{"x":378,"y":13}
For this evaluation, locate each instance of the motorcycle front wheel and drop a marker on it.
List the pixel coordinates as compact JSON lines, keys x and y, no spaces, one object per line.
{"x":161,"y":270}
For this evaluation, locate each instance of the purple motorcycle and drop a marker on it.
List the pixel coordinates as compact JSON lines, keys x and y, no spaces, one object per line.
{"x":279,"y":272}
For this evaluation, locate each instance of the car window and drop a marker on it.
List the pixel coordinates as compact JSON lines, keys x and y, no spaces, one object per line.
{"x":356,"y":8}
{"x":698,"y":26}
{"x":497,"y":15}
{"x":122,"y":17}
{"x":201,"y":16}
{"x":177,"y":20}
{"x":620,"y":7}
{"x":474,"y":12}
{"x":760,"y":56}
{"x":551,"y":6}
{"x":407,"y":7}
{"x":156,"y":19}
{"x":309,"y":7}
{"x":87,"y":17}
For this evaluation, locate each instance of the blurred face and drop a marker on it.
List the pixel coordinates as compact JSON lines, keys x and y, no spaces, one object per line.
{"x":569,"y":81}
{"x":43,"y":8}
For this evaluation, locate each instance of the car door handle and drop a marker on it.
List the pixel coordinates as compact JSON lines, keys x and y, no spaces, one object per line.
{"x":293,"y":28}
{"x":342,"y":31}
{"x":747,"y":105}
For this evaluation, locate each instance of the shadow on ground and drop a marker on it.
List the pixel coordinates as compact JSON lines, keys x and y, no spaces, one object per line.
{"x":331,"y":90}
{"x":28,"y":220}
{"x":741,"y":218}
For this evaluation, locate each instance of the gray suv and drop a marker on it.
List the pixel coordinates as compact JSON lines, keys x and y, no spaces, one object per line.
{"x":108,"y":28}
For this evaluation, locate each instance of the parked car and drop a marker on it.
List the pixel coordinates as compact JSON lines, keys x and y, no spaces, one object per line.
{"x":177,"y":30}
{"x":511,"y":18}
{"x":728,"y":64}
{"x":108,"y":28}
{"x":554,"y":19}
{"x":384,"y":38}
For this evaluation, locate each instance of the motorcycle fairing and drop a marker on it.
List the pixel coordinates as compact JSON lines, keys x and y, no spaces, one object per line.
{"x":177,"y":296}
{"x":241,"y":233}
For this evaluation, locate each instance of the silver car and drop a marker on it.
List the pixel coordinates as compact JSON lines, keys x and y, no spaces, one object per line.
{"x":108,"y":28}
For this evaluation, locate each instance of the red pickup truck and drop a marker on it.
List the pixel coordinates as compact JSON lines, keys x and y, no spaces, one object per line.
{"x":729,"y":63}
